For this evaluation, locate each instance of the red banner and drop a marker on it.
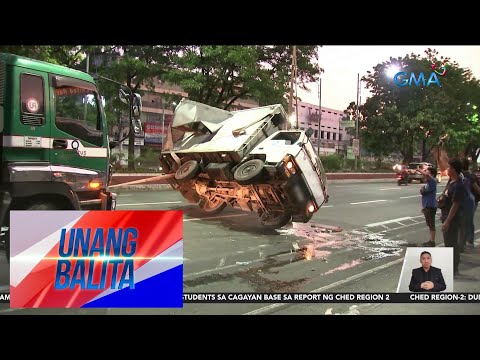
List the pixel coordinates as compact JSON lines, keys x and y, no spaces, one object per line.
{"x":154,"y":129}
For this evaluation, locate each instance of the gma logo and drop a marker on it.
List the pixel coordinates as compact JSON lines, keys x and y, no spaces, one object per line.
{"x":403,"y":79}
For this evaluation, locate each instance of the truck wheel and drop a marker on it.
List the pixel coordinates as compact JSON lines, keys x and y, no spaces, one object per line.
{"x":275,"y":220}
{"x":212,"y":207}
{"x":42,"y":206}
{"x":249,"y":172}
{"x":187,"y":171}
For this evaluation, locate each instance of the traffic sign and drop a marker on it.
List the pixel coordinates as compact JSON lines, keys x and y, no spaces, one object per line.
{"x":350,"y":155}
{"x":348,"y":124}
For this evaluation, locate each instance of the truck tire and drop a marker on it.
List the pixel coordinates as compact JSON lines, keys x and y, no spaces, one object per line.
{"x":249,"y":172}
{"x":187,"y":171}
{"x":276,"y":220}
{"x":42,"y":206}
{"x":212,"y":207}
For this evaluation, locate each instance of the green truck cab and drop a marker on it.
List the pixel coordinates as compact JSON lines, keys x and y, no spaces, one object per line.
{"x":54,"y":145}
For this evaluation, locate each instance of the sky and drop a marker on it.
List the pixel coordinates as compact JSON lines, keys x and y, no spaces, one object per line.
{"x":343,"y":63}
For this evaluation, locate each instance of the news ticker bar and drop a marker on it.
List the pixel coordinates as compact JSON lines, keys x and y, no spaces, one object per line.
{"x":207,"y":298}
{"x":295,"y":298}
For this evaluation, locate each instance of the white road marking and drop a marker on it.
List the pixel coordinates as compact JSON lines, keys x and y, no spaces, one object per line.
{"x":214,"y":217}
{"x":388,"y":221}
{"x":154,"y":203}
{"x":325,"y":206}
{"x":408,"y":197}
{"x":367,"y":202}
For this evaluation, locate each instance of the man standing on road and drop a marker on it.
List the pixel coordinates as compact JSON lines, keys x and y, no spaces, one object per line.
{"x":471,"y":183}
{"x":452,"y":213}
{"x":427,"y":278}
{"x":429,"y":201}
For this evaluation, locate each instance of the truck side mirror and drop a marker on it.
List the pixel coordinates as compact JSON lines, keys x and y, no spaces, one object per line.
{"x":309,"y":132}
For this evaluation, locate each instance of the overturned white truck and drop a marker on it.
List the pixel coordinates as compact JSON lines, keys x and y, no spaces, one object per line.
{"x":244,"y":159}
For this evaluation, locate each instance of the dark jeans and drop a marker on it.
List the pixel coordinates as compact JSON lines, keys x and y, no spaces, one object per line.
{"x":451,"y":238}
{"x":467,"y":228}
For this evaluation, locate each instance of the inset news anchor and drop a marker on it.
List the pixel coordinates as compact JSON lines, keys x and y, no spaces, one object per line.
{"x":427,"y":278}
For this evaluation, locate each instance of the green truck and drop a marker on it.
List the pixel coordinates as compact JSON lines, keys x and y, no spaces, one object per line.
{"x":54,"y":145}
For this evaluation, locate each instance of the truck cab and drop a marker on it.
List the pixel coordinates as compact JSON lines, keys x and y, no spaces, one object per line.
{"x":294,"y":158}
{"x":53,"y":135}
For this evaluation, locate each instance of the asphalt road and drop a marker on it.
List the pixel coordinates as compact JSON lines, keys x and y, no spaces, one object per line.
{"x":356,"y":243}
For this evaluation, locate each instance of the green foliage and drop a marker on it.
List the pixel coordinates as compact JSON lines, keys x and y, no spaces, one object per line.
{"x":66,"y":55}
{"x":398,"y":118}
{"x":220,"y":75}
{"x":332,"y":162}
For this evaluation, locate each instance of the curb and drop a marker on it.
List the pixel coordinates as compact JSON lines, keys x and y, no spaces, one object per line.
{"x":166,"y":187}
{"x":156,"y":187}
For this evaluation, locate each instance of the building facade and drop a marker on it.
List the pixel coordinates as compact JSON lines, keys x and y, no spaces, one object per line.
{"x":158,"y":111}
{"x":333,"y":138}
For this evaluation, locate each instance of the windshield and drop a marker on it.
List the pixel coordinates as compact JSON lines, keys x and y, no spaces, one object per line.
{"x":79,"y":104}
{"x":290,"y":137}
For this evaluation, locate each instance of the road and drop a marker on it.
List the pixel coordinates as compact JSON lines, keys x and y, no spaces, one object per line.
{"x":356,"y":243}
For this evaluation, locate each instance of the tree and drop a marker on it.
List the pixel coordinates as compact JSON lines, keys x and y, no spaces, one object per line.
{"x":408,"y":115}
{"x":135,"y":67}
{"x":220,"y":75}
{"x":65,"y":55}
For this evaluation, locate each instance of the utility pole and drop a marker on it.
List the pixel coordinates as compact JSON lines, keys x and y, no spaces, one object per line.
{"x":292,"y":79}
{"x":357,"y":113}
{"x":296,"y":93}
{"x":163,"y":122}
{"x":319,"y":115}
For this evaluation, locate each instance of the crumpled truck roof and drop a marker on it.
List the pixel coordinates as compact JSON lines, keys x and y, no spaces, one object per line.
{"x":208,"y":129}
